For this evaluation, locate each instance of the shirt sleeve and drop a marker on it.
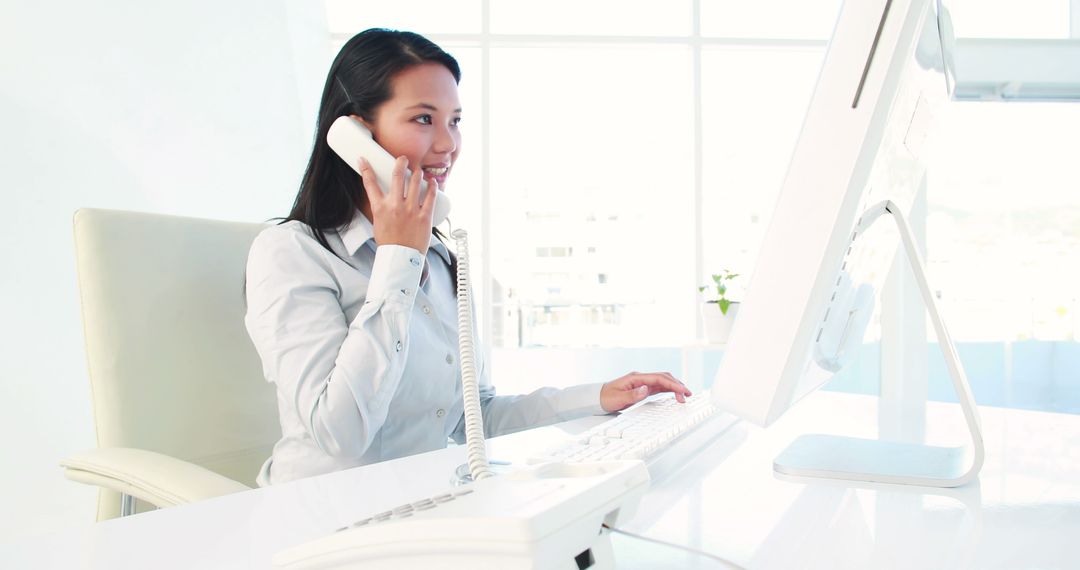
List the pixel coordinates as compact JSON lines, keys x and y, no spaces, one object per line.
{"x":508,"y":414}
{"x":337,"y":376}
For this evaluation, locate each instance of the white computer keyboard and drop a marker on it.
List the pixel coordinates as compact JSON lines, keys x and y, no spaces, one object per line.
{"x":657,"y":429}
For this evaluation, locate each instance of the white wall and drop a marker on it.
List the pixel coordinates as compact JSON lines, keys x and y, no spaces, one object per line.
{"x":196,"y":108}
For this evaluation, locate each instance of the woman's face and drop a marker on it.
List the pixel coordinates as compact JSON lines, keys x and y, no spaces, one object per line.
{"x":420,"y":120}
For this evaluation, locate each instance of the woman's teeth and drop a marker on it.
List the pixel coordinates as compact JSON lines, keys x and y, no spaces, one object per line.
{"x":436,"y":171}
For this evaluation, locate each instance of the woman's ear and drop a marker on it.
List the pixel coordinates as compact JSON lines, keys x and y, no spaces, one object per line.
{"x":367,"y":125}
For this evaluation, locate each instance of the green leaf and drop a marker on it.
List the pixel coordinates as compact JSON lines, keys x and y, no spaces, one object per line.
{"x":721,"y":288}
{"x":717,"y":279}
{"x":724,"y":304}
{"x":700,"y":289}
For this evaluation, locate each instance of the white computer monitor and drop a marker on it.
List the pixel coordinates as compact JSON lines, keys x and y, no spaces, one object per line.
{"x":886,"y":72}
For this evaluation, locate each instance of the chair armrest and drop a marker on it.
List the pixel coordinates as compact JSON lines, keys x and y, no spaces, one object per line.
{"x":160,"y":480}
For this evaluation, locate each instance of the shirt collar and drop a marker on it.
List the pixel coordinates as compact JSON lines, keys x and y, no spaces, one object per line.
{"x":359,"y":232}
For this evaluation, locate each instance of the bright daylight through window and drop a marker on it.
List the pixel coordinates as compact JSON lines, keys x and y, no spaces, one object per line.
{"x":589,"y":147}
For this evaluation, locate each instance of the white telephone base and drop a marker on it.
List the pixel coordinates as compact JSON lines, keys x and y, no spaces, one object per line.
{"x":549,"y":516}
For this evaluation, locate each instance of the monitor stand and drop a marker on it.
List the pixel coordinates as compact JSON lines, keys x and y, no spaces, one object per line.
{"x":839,"y":457}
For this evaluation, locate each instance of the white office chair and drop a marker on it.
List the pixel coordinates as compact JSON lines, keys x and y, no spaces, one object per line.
{"x":181,"y":409}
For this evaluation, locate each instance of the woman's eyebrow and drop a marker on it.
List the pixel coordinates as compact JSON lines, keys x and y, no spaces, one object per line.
{"x":429,"y":107}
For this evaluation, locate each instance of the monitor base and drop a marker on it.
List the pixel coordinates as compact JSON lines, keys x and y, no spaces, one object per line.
{"x":854,"y":459}
{"x":838,"y":457}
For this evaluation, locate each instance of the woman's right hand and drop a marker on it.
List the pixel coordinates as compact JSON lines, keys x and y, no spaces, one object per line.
{"x":399,"y":217}
{"x":631,"y":388}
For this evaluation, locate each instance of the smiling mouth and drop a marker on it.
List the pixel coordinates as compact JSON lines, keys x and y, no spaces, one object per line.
{"x":436,"y":171}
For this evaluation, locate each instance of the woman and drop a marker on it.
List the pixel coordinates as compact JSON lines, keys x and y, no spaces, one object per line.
{"x":351,"y":299}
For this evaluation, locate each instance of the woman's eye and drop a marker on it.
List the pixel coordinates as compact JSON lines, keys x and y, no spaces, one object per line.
{"x":423,"y":119}
{"x":455,"y":121}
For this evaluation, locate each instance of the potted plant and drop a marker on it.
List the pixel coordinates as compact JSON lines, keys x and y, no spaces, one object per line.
{"x":718,"y":312}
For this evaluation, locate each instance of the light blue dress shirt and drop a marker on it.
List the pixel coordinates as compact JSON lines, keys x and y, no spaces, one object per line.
{"x":365,"y":357}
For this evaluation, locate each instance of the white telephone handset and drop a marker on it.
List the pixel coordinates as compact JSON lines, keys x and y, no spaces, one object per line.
{"x":350,"y":139}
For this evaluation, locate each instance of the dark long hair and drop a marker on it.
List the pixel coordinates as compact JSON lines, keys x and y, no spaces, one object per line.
{"x":358,"y":82}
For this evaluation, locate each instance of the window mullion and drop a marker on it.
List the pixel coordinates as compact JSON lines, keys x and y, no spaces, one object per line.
{"x":486,"y":308}
{"x":698,"y":200}
{"x":1074,"y":19}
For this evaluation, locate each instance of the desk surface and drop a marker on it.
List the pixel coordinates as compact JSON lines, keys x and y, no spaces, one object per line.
{"x":1024,"y":512}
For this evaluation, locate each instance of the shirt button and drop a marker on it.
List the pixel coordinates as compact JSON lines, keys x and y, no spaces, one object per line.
{"x":449,"y":359}
{"x":404,"y":291}
{"x":397,"y":347}
{"x":440,"y":413}
{"x":415,"y":261}
{"x":427,"y":310}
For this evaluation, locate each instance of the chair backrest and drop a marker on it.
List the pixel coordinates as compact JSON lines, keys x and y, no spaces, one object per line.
{"x":171,"y":366}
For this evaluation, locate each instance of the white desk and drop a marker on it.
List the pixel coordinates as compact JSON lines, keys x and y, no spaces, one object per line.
{"x":1024,"y":512}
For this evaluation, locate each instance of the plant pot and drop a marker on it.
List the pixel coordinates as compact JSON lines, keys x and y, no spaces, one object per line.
{"x":717,"y":324}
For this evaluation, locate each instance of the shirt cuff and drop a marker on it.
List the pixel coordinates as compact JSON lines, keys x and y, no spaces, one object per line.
{"x":395,"y":275}
{"x":583,"y":399}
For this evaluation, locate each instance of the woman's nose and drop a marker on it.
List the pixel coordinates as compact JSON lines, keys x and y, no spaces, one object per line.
{"x":445,"y":143}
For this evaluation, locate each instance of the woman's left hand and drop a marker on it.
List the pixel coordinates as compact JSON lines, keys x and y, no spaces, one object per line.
{"x":628,"y":390}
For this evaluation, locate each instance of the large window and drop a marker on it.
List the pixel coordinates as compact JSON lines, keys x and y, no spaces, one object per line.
{"x":1003,"y":227}
{"x":591,"y":176}
{"x":611,"y":163}
{"x":1035,"y":19}
{"x":754,"y":101}
{"x":618,"y":153}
